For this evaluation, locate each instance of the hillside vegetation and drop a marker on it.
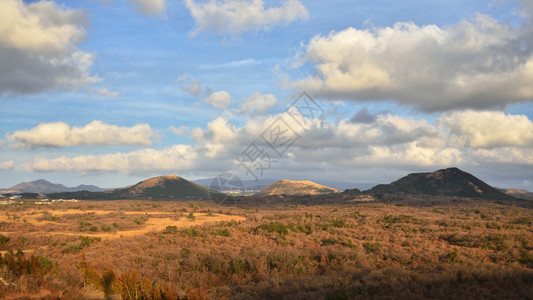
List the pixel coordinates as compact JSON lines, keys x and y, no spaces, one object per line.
{"x":463,"y":249}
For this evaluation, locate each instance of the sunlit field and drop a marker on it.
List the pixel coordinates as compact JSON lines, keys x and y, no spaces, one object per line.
{"x":197,"y":250}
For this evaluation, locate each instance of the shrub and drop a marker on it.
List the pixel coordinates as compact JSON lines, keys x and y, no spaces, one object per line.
{"x":522,"y":221}
{"x":390,"y":219}
{"x":171,"y":230}
{"x":372,"y":247}
{"x":304,"y":229}
{"x":224,"y":232}
{"x":452,"y":256}
{"x":274,"y":227}
{"x":338,"y":223}
{"x":338,"y":294}
{"x":338,"y":241}
{"x":3,"y":240}
{"x":192,"y":232}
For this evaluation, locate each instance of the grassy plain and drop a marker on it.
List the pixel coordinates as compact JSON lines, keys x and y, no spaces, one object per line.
{"x":467,"y":249}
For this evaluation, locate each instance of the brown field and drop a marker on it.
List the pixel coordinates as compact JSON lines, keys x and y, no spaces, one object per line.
{"x":467,"y":249}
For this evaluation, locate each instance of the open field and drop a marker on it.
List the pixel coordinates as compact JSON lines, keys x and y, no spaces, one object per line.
{"x":194,"y":250}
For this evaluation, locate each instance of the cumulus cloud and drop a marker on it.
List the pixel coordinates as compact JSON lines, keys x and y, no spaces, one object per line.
{"x":488,"y":129}
{"x":218,"y":100}
{"x":38,"y":48}
{"x":7,"y":165}
{"x":477,"y":63}
{"x":236,"y":17}
{"x":175,"y":158}
{"x":258,"y":103}
{"x":60,"y":134}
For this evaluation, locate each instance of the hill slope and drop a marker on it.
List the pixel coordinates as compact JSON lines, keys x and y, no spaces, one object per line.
{"x":169,"y":187}
{"x":290,"y":187}
{"x":45,"y":187}
{"x":517,"y":193}
{"x":446,"y":182}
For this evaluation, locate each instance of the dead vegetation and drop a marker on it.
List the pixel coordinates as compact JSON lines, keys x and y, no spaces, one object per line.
{"x":466,"y":249}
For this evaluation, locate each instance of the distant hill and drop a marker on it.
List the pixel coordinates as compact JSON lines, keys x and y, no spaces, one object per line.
{"x":45,"y":187}
{"x":290,"y":187}
{"x":446,"y":182}
{"x":523,"y":194}
{"x":262,"y":183}
{"x":169,"y":187}
{"x":246,"y":184}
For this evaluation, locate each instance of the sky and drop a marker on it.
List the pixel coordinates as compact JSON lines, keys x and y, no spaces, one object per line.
{"x":111,"y":92}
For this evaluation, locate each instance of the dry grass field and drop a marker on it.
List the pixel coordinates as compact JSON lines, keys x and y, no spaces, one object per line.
{"x":466,"y":249}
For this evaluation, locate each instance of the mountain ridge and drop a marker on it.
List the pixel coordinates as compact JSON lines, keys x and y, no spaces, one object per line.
{"x":43,"y":186}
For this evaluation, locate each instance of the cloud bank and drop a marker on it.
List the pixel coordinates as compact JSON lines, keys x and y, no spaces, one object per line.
{"x":96,"y":133}
{"x":388,"y":141}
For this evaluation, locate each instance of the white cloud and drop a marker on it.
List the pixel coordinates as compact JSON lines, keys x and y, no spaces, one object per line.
{"x":504,"y":155}
{"x":232,"y":64}
{"x":180,"y":131}
{"x":150,"y":7}
{"x":176,"y":158}
{"x":60,"y":134}
{"x":488,"y":129}
{"x":236,"y":17}
{"x":38,"y":48}
{"x":105,"y":92}
{"x":258,"y":103}
{"x":192,"y":86}
{"x":219,"y":100}
{"x":7,"y":165}
{"x":474,"y":64}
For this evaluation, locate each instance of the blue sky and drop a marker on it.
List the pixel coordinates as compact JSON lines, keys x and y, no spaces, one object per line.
{"x":111,"y":92}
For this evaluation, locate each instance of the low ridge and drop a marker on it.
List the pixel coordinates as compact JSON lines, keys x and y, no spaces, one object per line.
{"x":445,"y":182}
{"x":291,"y":187}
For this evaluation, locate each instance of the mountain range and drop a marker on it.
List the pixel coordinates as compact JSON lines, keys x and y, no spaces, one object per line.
{"x":42,"y":186}
{"x":445,"y":182}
